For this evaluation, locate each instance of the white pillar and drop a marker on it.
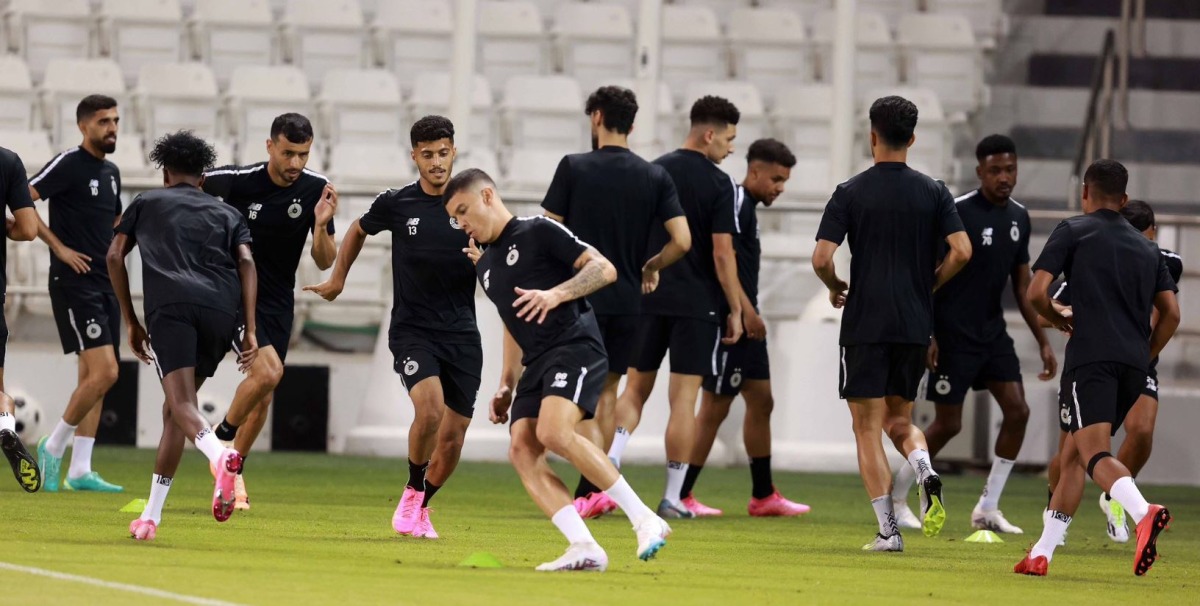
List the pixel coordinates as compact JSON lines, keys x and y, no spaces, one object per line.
{"x":845,"y":105}
{"x":462,"y":68}
{"x":646,"y":68}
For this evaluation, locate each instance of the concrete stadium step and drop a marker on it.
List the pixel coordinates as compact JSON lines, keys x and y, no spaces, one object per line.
{"x":1155,"y":73}
{"x":1058,"y":106}
{"x":1161,"y":146}
{"x":1155,"y":9}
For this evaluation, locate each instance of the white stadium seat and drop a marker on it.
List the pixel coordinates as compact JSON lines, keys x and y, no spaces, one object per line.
{"x":769,"y":48}
{"x":531,"y":170}
{"x":722,"y":8}
{"x":986,"y":16}
{"x":735,"y":165}
{"x":594,"y":42}
{"x":483,"y":159}
{"x":668,"y":132}
{"x":324,"y":34}
{"x":257,"y":94}
{"x":44,"y":30}
{"x":229,"y":33}
{"x":811,"y":178}
{"x":753,"y":122}
{"x":69,"y":80}
{"x":544,"y":112}
{"x":178,"y":96}
{"x":801,"y":118}
{"x":933,"y":148}
{"x":510,"y":41}
{"x":139,"y":32}
{"x":370,"y":164}
{"x":691,"y":46}
{"x":224,"y":150}
{"x":940,"y":53}
{"x":33,"y":147}
{"x":431,"y":95}
{"x":130,"y":157}
{"x":361,"y":106}
{"x":18,"y":100}
{"x":367,"y":286}
{"x":414,"y":36}
{"x":807,"y":8}
{"x":891,"y":10}
{"x":876,"y":64}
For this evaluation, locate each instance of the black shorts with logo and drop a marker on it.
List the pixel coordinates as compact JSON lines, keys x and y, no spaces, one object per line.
{"x":1151,"y":388}
{"x":575,"y":371}
{"x":418,"y":356}
{"x":693,"y":344}
{"x":183,"y":335}
{"x":1101,"y":392}
{"x":960,"y":371}
{"x":86,"y":316}
{"x":273,"y":328}
{"x":620,"y":340}
{"x":878,"y":370}
{"x":745,"y":360}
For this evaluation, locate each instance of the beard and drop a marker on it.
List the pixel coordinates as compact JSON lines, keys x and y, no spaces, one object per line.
{"x":107,"y":148}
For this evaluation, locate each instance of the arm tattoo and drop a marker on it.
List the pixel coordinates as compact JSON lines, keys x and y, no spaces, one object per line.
{"x":586,"y":281}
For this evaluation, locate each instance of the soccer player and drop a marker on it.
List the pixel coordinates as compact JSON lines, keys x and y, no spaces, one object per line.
{"x":610,"y":198}
{"x":1118,"y":278}
{"x":84,"y":192}
{"x":197,"y":271}
{"x":21,"y":227}
{"x":744,"y":367}
{"x":681,"y":315}
{"x":896,"y":219}
{"x":283,"y":202}
{"x":538,"y":273}
{"x":433,"y":336}
{"x":971,"y":348}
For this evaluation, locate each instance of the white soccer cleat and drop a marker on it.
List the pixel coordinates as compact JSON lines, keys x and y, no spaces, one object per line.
{"x":881,"y":543}
{"x":1118,"y":530}
{"x":652,"y":535}
{"x":579,"y":557}
{"x":905,"y":518}
{"x":992,"y":520}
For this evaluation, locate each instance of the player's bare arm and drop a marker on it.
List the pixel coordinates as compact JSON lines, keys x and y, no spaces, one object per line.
{"x":324,"y":247}
{"x":592,"y":272}
{"x":725,"y":260}
{"x":1167,"y":306}
{"x":956,"y":259}
{"x":1039,"y":298}
{"x":120,"y":247}
{"x":674,"y":250}
{"x":822,"y":262}
{"x":509,"y":374}
{"x":22,"y":226}
{"x":352,"y":244}
{"x":248,"y":275}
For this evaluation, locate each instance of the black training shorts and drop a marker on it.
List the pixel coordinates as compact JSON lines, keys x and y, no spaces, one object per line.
{"x":575,"y":371}
{"x":457,"y":365}
{"x":879,"y":370}
{"x":183,"y":335}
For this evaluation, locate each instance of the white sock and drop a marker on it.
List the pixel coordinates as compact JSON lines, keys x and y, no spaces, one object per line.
{"x":1127,"y":494}
{"x":7,"y":421}
{"x":885,"y":515}
{"x":620,"y":440}
{"x":208,"y":444}
{"x":81,"y":457}
{"x":159,"y":486}
{"x":571,"y":525}
{"x":628,"y":501}
{"x":919,"y":459}
{"x":990,"y":499}
{"x":904,"y":483}
{"x":676,"y":471}
{"x":1053,"y":532}
{"x":57,"y":443}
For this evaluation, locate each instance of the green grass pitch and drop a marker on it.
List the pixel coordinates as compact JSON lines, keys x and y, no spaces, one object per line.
{"x":320,"y":533}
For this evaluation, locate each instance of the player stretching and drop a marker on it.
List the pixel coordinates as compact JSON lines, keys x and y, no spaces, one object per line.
{"x":537,"y":273}
{"x":682,"y":315}
{"x":1117,"y":278}
{"x":21,"y":227}
{"x":84,"y":191}
{"x":971,"y":347}
{"x":896,"y":219}
{"x":197,"y":271}
{"x":282,"y":202}
{"x":744,"y":367}
{"x":610,"y":198}
{"x":433,"y":336}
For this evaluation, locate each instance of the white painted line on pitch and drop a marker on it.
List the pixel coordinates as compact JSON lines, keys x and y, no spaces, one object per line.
{"x":147,"y":591}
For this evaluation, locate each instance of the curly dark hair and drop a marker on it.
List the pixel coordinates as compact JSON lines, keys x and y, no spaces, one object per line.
{"x":894,"y":119}
{"x":1107,"y":178}
{"x":716,"y":111}
{"x":183,"y":153}
{"x":431,"y":128}
{"x":994,"y":144}
{"x":618,"y":105}
{"x":771,"y":151}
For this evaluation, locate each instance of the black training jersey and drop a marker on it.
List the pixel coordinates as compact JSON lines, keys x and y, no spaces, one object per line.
{"x":746,"y":243}
{"x":689,"y":288}
{"x":84,"y":193}
{"x":536,"y":253}
{"x":1062,"y":293}
{"x":896,"y":220}
{"x":15,"y":189}
{"x":611,"y":199}
{"x":433,"y":281}
{"x":188,"y":242}
{"x":280,"y":219}
{"x":1114,"y":272}
{"x":967,"y":314}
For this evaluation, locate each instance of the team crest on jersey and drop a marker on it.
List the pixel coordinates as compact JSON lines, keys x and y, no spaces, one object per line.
{"x":736,"y":379}
{"x":294,"y":210}
{"x":513,"y":255}
{"x":454,"y":223}
{"x":93,"y":330}
{"x":942,"y":386}
{"x":114,"y":185}
{"x":487,"y":279}
{"x":411,"y":367}
{"x":1015,"y":232}
{"x":94,"y":185}
{"x":987,"y":236}
{"x":560,"y":380}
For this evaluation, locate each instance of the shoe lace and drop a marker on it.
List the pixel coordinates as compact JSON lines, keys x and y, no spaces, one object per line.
{"x":410,"y":506}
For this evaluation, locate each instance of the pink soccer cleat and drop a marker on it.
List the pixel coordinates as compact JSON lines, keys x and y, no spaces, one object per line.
{"x":224,"y":497}
{"x":700,"y":509}
{"x":594,"y":505}
{"x":143,"y":530}
{"x":408,"y":510}
{"x":424,"y":528}
{"x":776,"y":506}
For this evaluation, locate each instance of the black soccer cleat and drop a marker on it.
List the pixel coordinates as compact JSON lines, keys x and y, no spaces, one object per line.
{"x":24,"y":467}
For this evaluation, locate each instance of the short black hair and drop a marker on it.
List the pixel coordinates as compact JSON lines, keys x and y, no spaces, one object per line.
{"x":463,"y":180}
{"x":717,"y":111}
{"x":89,"y":105}
{"x":431,"y":128}
{"x":992,"y":145}
{"x":618,"y":105}
{"x":294,"y":127}
{"x":1139,"y":214}
{"x":771,"y":151}
{"x":1107,"y":177}
{"x":894,"y":119}
{"x":183,"y":153}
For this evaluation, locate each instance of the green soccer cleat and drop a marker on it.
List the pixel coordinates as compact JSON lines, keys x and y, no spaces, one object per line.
{"x":49,"y":465}
{"x":933,"y":513}
{"x":24,"y":467}
{"x":91,"y":482}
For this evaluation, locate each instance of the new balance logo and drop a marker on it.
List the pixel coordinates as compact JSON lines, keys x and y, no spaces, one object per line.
{"x":254,"y":210}
{"x":413,"y":222}
{"x":987,"y":236}
{"x":560,"y":380}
